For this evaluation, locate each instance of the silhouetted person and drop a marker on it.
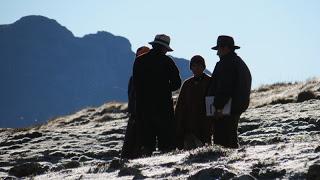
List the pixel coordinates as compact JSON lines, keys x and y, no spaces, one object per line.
{"x":194,"y":128}
{"x":131,"y":91}
{"x":132,"y":141}
{"x":231,"y":78}
{"x":155,"y":76}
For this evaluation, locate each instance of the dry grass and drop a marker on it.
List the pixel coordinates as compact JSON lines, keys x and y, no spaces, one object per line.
{"x":277,"y":85}
{"x":207,"y":153}
{"x":285,"y":92}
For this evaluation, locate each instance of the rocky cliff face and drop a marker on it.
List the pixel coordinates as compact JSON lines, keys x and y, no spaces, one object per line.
{"x":46,"y":71}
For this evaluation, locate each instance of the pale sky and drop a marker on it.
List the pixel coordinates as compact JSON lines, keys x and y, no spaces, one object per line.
{"x":279,"y":39}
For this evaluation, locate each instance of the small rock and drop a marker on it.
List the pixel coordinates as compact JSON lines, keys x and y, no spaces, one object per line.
{"x":57,"y":154}
{"x":206,"y":154}
{"x":66,"y":147}
{"x":139,"y":176}
{"x":71,"y":164}
{"x":4,"y":163}
{"x":255,"y":171}
{"x":170,"y":164}
{"x":178,"y":171}
{"x":3,"y":170}
{"x":268,"y":173}
{"x":103,"y":154}
{"x":245,"y":177}
{"x":57,"y":168}
{"x":27,"y":169}
{"x":20,"y":141}
{"x":71,"y":154}
{"x":256,"y":142}
{"x":13,"y":147}
{"x":100,"y":168}
{"x":314,"y":172}
{"x":74,"y":159}
{"x":275,"y":140}
{"x":317,"y":149}
{"x":245,"y":127}
{"x":129,"y":171}
{"x":29,"y":135}
{"x":116,"y":163}
{"x":84,"y":158}
{"x":306,"y":95}
{"x":213,"y":173}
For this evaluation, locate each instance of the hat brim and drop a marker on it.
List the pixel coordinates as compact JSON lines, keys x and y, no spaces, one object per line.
{"x":161,"y":43}
{"x":216,"y":47}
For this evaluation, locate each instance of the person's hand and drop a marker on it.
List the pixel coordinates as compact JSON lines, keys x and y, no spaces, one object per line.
{"x":218,"y":114}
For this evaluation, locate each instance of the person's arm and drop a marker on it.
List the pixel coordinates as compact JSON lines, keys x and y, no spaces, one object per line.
{"x":180,"y":107}
{"x":180,"y":114}
{"x":224,"y":85}
{"x":130,"y":95}
{"x":175,"y":80}
{"x":136,"y":75}
{"x":211,"y":87}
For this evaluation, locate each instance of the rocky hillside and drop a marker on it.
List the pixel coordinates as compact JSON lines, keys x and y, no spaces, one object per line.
{"x":279,"y":136}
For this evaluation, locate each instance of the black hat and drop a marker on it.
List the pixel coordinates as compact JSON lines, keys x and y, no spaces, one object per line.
{"x":197,"y":59}
{"x":224,"y":40}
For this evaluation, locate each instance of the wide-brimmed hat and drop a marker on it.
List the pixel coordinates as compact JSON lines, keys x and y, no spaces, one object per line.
{"x":163,"y":40}
{"x":224,"y":40}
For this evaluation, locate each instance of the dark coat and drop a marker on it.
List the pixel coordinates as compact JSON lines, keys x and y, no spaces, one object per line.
{"x":155,"y":76}
{"x":131,"y":97}
{"x":132,"y":143}
{"x":190,"y":110}
{"x":231,"y":78}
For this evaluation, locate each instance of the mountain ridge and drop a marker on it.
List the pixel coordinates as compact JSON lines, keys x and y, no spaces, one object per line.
{"x":48,"y":72}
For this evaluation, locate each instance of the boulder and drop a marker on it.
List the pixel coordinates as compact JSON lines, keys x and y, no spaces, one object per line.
{"x":213,"y":173}
{"x":306,"y":95}
{"x":26,"y":169}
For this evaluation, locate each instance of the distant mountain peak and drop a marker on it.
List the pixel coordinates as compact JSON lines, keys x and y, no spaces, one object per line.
{"x":49,"y":72}
{"x":102,"y":35}
{"x":35,"y":18}
{"x":106,"y":37}
{"x":40,"y":24}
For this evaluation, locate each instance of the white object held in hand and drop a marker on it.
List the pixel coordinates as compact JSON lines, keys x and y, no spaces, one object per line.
{"x":210,"y":109}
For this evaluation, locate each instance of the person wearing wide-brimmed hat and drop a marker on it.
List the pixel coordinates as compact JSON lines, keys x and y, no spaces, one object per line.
{"x":231,"y":79}
{"x":155,"y":76}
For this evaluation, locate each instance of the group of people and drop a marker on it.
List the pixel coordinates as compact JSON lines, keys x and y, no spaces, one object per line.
{"x":154,"y":123}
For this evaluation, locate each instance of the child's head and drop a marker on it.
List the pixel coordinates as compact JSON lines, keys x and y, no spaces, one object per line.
{"x":197,"y":65}
{"x":142,"y":50}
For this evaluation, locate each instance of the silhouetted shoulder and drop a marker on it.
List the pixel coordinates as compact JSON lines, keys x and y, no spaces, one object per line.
{"x":187,"y":81}
{"x":169,"y":60}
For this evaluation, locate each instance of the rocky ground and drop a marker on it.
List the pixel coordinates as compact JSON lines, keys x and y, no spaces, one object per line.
{"x":279,"y":136}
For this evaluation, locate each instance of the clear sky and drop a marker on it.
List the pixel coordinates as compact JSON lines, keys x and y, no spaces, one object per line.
{"x":279,"y":39}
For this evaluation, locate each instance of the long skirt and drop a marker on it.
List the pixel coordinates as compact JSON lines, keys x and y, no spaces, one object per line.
{"x":132,"y":143}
